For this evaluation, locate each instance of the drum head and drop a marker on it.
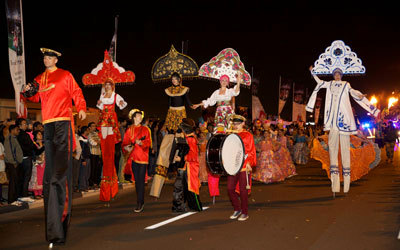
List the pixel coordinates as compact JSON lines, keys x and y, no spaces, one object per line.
{"x":232,"y":154}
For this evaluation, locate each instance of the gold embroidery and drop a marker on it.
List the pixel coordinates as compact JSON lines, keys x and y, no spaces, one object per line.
{"x":176,"y":90}
{"x":52,"y":86}
{"x":57,"y":119}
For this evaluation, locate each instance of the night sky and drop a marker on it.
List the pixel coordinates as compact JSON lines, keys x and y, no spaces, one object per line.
{"x":276,"y":38}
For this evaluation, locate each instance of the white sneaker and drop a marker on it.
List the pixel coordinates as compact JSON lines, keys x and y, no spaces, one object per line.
{"x":16,"y":203}
{"x":26,"y":199}
{"x":243,"y":217}
{"x":235,"y":215}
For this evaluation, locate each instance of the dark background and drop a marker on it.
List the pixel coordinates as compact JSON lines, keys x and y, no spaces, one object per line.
{"x":275,"y":38}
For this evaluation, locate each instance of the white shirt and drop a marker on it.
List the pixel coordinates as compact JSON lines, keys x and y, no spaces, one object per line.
{"x":2,"y":163}
{"x":109,"y":130}
{"x":338,"y":112}
{"x":110,"y":100}
{"x":216,"y":97}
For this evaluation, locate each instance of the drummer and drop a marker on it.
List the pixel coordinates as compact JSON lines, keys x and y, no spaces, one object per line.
{"x":243,"y":177}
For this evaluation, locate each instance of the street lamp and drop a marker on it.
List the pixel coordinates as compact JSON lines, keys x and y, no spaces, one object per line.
{"x":392,"y":101}
{"x":373,"y":100}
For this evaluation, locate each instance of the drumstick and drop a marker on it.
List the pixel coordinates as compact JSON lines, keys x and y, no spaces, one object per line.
{"x":247,"y":176}
{"x":247,"y":180}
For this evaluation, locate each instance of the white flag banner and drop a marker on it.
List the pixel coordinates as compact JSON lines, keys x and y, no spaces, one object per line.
{"x":281,"y":105}
{"x":16,"y":53}
{"x":299,"y":112}
{"x":257,"y":107}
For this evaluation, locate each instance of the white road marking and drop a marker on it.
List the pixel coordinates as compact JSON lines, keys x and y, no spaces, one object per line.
{"x":162,"y":223}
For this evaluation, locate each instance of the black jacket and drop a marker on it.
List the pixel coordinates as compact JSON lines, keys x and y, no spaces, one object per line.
{"x":26,"y":143}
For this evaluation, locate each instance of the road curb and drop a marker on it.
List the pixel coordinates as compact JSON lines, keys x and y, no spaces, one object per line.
{"x":39,"y":203}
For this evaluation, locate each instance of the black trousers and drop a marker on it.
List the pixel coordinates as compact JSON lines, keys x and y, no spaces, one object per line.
{"x":76,"y":164}
{"x":181,"y":195}
{"x":139,"y":172}
{"x":95,"y":170}
{"x":57,"y":188}
{"x":12,"y":175}
{"x":25,"y":176}
{"x":117,"y":155}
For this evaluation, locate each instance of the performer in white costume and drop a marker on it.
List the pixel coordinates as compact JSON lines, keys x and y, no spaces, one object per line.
{"x":338,"y":115}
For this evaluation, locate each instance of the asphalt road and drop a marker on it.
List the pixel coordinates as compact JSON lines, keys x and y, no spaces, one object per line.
{"x":298,"y":213}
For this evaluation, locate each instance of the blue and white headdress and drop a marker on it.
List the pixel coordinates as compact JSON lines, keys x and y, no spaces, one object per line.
{"x":338,"y":56}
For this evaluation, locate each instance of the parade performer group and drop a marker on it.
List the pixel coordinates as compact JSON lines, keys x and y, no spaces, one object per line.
{"x":56,"y":89}
{"x":339,"y":119}
{"x":107,"y":74}
{"x":137,"y":143}
{"x":242,"y":178}
{"x":187,"y":183}
{"x":109,"y":136}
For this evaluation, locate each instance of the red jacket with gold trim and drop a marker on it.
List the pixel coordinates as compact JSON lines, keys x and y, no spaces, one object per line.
{"x":249,"y":149}
{"x":139,"y":153}
{"x":56,"y":89}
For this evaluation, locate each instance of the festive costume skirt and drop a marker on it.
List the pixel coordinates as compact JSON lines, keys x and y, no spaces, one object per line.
{"x":36,"y":182}
{"x":108,"y":118}
{"x":222,"y":114}
{"x":283,"y":158}
{"x":109,"y":180}
{"x":267,"y":169}
{"x":361,"y":156}
{"x":174,"y":117}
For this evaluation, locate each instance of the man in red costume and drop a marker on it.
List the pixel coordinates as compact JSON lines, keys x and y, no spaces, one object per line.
{"x":187,"y":183}
{"x":241,"y":208}
{"x":137,"y":142}
{"x":57,"y":88}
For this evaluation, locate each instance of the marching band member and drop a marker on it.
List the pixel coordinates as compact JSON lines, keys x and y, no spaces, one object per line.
{"x":57,"y":89}
{"x":137,"y":143}
{"x":242,"y":178}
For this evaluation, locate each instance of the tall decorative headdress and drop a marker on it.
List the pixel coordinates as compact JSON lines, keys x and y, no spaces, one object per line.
{"x":227,"y":62}
{"x":173,"y":62}
{"x":338,"y":56}
{"x":106,"y":71}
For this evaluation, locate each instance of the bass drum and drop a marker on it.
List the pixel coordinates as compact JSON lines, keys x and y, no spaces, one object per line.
{"x":225,"y":154}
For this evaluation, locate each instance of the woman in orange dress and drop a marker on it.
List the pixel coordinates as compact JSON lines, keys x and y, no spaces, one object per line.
{"x":362,"y":154}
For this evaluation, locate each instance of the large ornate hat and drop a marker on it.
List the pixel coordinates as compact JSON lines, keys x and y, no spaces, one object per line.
{"x":173,"y":62}
{"x":338,"y":56}
{"x":108,"y":71}
{"x":227,"y":62}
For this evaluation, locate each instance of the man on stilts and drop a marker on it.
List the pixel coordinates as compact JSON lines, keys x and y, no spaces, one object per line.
{"x":57,"y":89}
{"x":339,"y":118}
